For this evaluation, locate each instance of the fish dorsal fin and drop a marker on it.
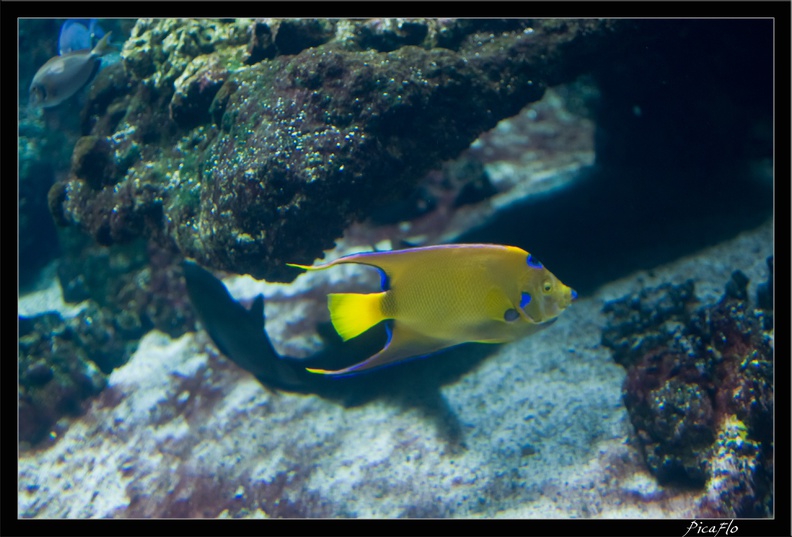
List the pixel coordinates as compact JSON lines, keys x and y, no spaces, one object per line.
{"x":397,"y":262}
{"x":103,"y":46}
{"x":390,"y":264}
{"x":393,"y":264}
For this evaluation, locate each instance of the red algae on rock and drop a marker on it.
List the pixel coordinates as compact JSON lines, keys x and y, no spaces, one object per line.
{"x":699,"y":391}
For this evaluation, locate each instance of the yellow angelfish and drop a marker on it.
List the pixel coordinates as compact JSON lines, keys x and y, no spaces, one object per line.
{"x":439,"y":296}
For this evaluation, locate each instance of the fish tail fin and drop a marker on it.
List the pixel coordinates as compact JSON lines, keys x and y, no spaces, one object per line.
{"x":352,"y":313}
{"x":103,"y":46}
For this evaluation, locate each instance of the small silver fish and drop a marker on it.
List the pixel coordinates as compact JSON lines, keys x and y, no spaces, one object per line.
{"x":63,"y":76}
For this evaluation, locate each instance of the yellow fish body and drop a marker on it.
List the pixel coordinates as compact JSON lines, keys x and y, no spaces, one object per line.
{"x":440,"y":296}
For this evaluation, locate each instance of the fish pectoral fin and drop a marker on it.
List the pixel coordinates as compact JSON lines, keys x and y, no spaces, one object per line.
{"x":404,"y":343}
{"x":496,"y":303}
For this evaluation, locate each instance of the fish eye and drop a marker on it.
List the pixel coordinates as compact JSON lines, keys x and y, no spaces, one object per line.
{"x":547,"y":286}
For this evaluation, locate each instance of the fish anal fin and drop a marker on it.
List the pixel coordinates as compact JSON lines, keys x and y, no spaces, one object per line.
{"x":494,"y":341}
{"x":352,"y":313}
{"x":404,"y":343}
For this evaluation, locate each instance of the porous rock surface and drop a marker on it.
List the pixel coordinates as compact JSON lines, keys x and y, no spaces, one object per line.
{"x":249,"y":144}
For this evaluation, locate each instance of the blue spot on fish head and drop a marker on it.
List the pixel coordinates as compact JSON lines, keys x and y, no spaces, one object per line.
{"x":533,"y":262}
{"x":525,"y":299}
{"x":574,"y":294}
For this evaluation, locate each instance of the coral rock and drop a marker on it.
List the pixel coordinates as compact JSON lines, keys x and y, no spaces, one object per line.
{"x":701,"y":395}
{"x":251,"y":143}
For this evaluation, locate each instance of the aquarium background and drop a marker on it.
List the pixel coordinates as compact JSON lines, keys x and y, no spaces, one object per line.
{"x":633,"y":157}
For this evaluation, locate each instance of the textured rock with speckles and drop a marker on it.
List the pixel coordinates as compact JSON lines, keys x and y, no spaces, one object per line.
{"x":249,"y":144}
{"x":699,"y":391}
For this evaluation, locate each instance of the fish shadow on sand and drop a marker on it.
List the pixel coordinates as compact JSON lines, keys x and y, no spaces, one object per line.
{"x":240,"y":334}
